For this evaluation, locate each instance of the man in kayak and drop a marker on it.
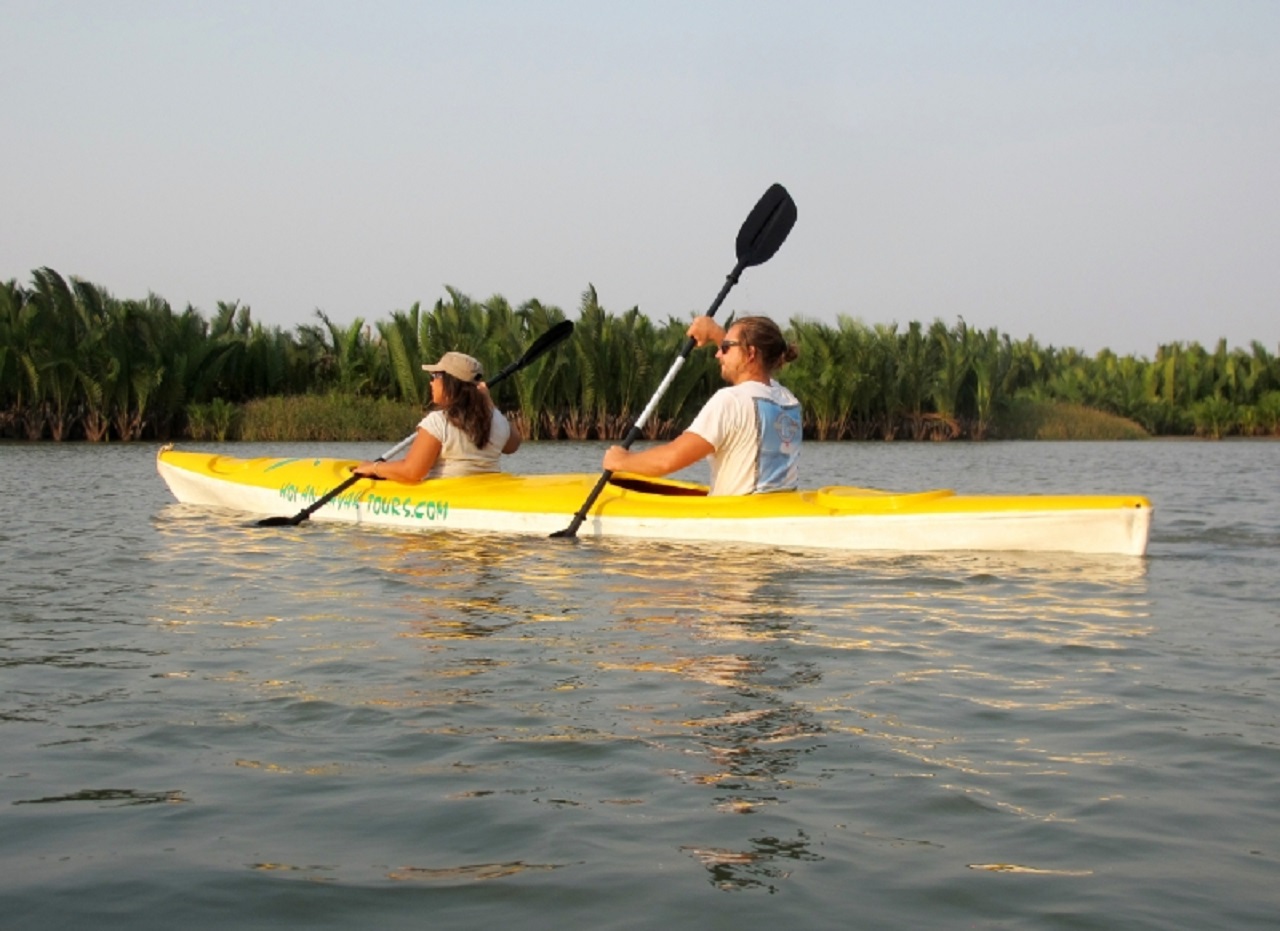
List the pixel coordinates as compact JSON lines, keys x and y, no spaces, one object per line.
{"x":751,"y":429}
{"x":464,"y":434}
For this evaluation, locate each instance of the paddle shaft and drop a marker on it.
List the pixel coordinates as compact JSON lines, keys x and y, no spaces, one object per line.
{"x":637,"y":428}
{"x":553,"y":336}
{"x":326,"y":498}
{"x":762,"y":233}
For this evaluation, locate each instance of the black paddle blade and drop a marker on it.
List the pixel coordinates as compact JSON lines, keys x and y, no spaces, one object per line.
{"x":557,"y":334}
{"x":766,"y":227}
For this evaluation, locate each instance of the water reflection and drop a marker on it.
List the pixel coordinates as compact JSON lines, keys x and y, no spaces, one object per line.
{"x":760,"y":866}
{"x":470,"y":586}
{"x":519,"y":672}
{"x":910,"y":626}
{"x":110,"y":798}
{"x":471,"y":872}
{"x":734,"y":621}
{"x":503,"y":727}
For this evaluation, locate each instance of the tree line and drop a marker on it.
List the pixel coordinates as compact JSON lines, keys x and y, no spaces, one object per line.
{"x":77,"y":363}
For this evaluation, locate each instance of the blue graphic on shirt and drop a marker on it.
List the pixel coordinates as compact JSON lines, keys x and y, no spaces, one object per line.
{"x":780,"y":432}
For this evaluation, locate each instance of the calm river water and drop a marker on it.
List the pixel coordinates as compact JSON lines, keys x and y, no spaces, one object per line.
{"x":205,"y":724}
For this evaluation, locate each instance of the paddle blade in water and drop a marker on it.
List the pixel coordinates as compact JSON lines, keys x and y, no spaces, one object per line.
{"x":279,"y":522}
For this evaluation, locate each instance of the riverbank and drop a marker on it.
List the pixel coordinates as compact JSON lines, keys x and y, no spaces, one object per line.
{"x":339,"y":418}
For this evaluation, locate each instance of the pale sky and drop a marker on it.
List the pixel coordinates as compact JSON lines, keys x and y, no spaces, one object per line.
{"x":1093,"y":174}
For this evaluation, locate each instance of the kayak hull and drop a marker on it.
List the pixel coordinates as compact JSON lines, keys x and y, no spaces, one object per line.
{"x":834,"y":517}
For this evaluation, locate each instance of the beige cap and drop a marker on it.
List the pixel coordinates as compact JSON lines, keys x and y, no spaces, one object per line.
{"x":458,"y":364}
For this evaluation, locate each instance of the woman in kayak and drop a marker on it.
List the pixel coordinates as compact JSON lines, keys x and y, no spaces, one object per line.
{"x":464,"y":434}
{"x":751,"y":429}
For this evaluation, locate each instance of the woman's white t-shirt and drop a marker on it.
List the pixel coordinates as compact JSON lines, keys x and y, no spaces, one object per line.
{"x":756,"y":431}
{"x":458,"y":455}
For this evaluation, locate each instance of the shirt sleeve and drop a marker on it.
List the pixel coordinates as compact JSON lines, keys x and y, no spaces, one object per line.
{"x":710,"y":421}
{"x":435,"y":423}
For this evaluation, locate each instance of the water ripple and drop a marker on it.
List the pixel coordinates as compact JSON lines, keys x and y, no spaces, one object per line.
{"x":369,"y":727}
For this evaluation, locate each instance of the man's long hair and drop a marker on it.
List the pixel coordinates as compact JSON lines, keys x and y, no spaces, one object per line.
{"x":766,"y":336}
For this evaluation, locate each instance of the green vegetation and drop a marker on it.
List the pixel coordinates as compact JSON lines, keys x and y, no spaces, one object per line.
{"x":78,"y":363}
{"x":1026,"y":419}
{"x":330,"y":417}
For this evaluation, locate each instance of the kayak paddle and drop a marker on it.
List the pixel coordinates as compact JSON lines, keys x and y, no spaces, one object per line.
{"x":557,"y":334}
{"x":761,"y":235}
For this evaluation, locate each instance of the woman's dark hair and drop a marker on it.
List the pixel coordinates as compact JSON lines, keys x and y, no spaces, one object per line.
{"x":467,"y":409}
{"x":765,"y":335}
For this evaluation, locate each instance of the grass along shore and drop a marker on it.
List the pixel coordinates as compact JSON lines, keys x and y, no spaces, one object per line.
{"x":344,"y":418}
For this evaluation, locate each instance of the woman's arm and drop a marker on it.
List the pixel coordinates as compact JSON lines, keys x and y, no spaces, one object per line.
{"x":415,"y":465}
{"x":513,"y":441}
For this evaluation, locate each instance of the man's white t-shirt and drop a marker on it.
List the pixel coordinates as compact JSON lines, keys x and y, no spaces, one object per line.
{"x":756,"y":432}
{"x":458,"y":455}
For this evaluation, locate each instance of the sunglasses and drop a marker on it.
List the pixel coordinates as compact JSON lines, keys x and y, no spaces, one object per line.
{"x":727,"y":344}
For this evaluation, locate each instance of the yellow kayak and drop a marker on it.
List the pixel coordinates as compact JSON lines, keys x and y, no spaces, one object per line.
{"x":834,"y":517}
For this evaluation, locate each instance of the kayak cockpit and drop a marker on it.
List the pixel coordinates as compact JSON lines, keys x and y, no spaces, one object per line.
{"x":648,"y":486}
